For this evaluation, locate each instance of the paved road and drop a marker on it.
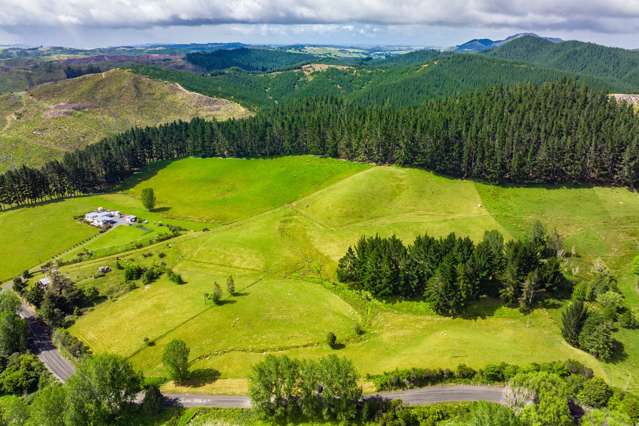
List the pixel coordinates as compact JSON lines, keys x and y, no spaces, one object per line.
{"x":447,"y":393}
{"x":41,"y":345}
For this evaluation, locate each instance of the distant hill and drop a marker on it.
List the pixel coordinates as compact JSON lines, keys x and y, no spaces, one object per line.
{"x":54,"y":118}
{"x":253,"y":60}
{"x":484,"y":44}
{"x":409,"y":79}
{"x":574,"y":56}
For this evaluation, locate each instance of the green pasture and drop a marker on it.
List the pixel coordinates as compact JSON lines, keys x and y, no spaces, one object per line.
{"x":279,"y":226}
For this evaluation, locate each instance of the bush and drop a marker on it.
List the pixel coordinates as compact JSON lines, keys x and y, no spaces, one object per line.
{"x":595,"y":393}
{"x":596,"y":338}
{"x":133,"y":272}
{"x":176,"y":278}
{"x":628,"y":320}
{"x":359,"y":330}
{"x":465,"y":372}
{"x":71,"y":344}
{"x":331,"y":340}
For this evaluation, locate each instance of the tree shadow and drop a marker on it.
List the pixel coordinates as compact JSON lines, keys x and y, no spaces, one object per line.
{"x":161,"y":209}
{"x":338,"y":346}
{"x":241,"y":293}
{"x":483,"y":308}
{"x":619,"y":354}
{"x":225,"y":302}
{"x":201,"y":377}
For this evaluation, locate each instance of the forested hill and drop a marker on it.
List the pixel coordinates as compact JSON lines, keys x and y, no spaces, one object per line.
{"x":559,"y":132}
{"x":398,"y":85}
{"x":609,"y":63}
{"x":248,"y":59}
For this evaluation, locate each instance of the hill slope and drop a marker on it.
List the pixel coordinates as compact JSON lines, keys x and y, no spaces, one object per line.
{"x":574,"y":56}
{"x":281,"y":247}
{"x":54,"y":118}
{"x":409,"y":79}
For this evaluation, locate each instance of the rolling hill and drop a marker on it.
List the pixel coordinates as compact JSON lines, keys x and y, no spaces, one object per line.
{"x":608,"y":63}
{"x":404,"y":80}
{"x":51,"y":119}
{"x":278,"y":226}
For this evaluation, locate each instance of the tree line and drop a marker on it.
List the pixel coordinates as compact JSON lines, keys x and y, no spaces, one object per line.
{"x":559,"y":132}
{"x":451,"y":272}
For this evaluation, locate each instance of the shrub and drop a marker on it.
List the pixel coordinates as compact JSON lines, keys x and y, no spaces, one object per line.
{"x":595,"y":393}
{"x":596,"y":338}
{"x":628,"y":320}
{"x":465,"y":372}
{"x":359,"y":330}
{"x":176,"y":278}
{"x":133,"y":272}
{"x":331,"y":340}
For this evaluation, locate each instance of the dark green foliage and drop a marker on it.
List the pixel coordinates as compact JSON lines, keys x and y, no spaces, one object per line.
{"x":151,"y":274}
{"x":48,"y":406}
{"x":61,"y":298}
{"x":491,"y":373}
{"x":100,"y":389}
{"x":628,"y":320}
{"x":609,"y":63}
{"x":331,"y":340}
{"x":176,"y":360}
{"x":230,"y":285}
{"x":286,"y":389}
{"x":249,"y":59}
{"x":559,"y":132}
{"x":596,"y":337}
{"x":23,"y":374}
{"x":153,"y":400}
{"x":74,"y":346}
{"x":451,"y":272}
{"x":572,"y":321}
{"x":487,"y":414}
{"x":175,"y":277}
{"x":133,"y":272}
{"x":216,"y":295}
{"x":595,"y":393}
{"x":13,"y":333}
{"x":148,"y":198}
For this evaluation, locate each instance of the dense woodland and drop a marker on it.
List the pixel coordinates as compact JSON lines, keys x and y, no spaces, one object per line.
{"x":604,"y":62}
{"x":260,"y":60}
{"x":452,"y":272}
{"x":559,"y":132}
{"x":400,"y":81}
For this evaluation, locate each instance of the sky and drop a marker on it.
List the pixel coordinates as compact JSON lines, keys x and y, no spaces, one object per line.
{"x":432,"y":23}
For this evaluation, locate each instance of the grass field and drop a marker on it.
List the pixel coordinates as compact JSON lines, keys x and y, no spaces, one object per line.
{"x":54,"y":118}
{"x":279,"y":226}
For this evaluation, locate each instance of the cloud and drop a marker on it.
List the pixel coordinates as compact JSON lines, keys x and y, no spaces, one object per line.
{"x":606,"y":16}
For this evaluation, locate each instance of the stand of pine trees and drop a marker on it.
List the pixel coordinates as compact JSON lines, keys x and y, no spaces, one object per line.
{"x":558,"y":132}
{"x":451,"y":272}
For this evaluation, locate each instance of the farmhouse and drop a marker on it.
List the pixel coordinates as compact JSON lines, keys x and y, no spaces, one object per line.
{"x":101,"y":218}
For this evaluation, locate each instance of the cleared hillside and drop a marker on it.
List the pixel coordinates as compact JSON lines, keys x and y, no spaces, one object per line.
{"x":51,"y":119}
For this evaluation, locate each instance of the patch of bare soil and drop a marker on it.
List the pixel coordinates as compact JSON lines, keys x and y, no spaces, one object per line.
{"x":632,"y":99}
{"x":309,"y":69}
{"x":59,"y":110}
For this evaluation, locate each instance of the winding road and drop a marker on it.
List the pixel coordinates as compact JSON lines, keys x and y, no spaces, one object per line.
{"x":40,"y":344}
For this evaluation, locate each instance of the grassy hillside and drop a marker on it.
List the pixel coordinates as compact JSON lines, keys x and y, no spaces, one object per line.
{"x":608,"y":63}
{"x":279,"y":226}
{"x":54,"y":118}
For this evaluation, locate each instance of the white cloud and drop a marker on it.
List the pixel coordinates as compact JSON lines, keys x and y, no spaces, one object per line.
{"x":605,"y":16}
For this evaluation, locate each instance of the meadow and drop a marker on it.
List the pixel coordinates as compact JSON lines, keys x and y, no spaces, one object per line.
{"x":279,"y":226}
